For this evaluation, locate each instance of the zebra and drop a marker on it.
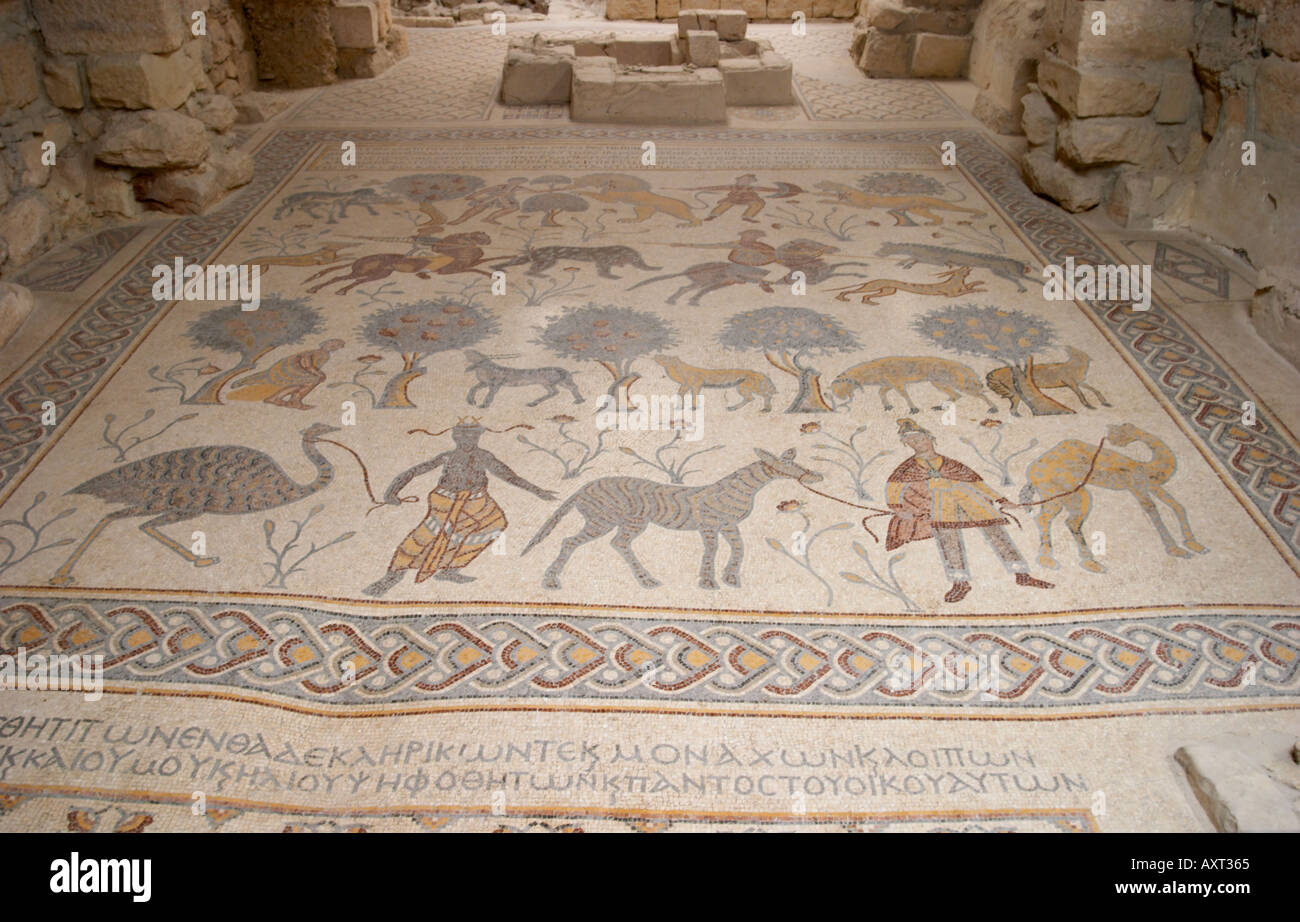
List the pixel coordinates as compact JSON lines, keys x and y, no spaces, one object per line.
{"x":631,"y":503}
{"x":494,"y":377}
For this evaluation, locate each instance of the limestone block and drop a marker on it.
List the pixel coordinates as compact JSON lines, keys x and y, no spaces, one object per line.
{"x":667,"y":9}
{"x":844,"y":9}
{"x":15,"y":304}
{"x":19,"y":83}
{"x":996,"y":116}
{"x":939,"y":55}
{"x":217,"y":112}
{"x":1136,"y":30}
{"x":785,"y":9}
{"x":234,"y":169}
{"x":537,"y":77}
{"x":900,"y":16}
{"x":25,"y":226}
{"x":111,"y":26}
{"x":1277,"y":84}
{"x":355,"y":25}
{"x":111,"y":192}
{"x":754,"y":9}
{"x":1178,"y":94}
{"x":731,"y":24}
{"x":629,"y":9}
{"x":702,"y":48}
{"x":1086,"y":92}
{"x":185,"y":191}
{"x":1007,"y":41}
{"x":884,"y":55}
{"x":153,"y":140}
{"x":1129,"y":203}
{"x":1236,"y":788}
{"x":140,"y":81}
{"x":34,"y":171}
{"x":1072,"y":191}
{"x":751,"y":82}
{"x":642,"y":52}
{"x":1091,"y":141}
{"x":655,"y":95}
{"x":821,"y":9}
{"x":687,"y":20}
{"x":1282,"y":31}
{"x":1039,"y":118}
{"x":63,"y":83}
{"x":1275,"y":312}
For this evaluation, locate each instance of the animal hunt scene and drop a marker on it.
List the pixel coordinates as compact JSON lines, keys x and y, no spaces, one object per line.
{"x":826,"y":415}
{"x":420,"y":389}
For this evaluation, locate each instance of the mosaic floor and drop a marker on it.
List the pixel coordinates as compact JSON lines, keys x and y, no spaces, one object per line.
{"x":372,"y":557}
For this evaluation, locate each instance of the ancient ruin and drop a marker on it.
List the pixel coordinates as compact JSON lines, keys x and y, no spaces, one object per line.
{"x":687,"y":77}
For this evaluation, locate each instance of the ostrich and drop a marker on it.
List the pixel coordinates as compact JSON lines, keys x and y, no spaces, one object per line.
{"x":177,"y":485}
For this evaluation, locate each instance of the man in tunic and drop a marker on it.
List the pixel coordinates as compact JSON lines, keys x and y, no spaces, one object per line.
{"x":932,"y":496}
{"x":462,"y":518}
{"x":289,"y":380}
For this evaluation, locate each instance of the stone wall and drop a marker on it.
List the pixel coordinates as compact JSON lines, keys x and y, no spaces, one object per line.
{"x":913,"y":38}
{"x":1007,"y":42}
{"x":1150,"y":118}
{"x":303,"y":43}
{"x":109,"y":107}
{"x":756,"y":10}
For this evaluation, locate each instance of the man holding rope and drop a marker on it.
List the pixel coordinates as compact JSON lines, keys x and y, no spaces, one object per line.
{"x":932,"y":496}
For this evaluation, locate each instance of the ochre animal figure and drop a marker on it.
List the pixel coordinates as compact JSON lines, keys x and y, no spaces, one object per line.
{"x":748,"y":384}
{"x":494,"y":377}
{"x":451,"y":254}
{"x":629,"y":504}
{"x":897,"y":205}
{"x":1069,"y":374}
{"x":327,"y":255}
{"x":707,"y":277}
{"x":173,"y":486}
{"x":896,"y":372}
{"x":1057,"y":474}
{"x":951,"y":284}
{"x":620,"y":188}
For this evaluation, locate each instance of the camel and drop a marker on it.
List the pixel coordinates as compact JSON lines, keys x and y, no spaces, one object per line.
{"x":1059,"y":476}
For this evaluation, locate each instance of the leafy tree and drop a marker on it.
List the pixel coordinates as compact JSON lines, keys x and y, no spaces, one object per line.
{"x":612,"y":336}
{"x":551,"y":204}
{"x":434,"y":187}
{"x":416,"y":331}
{"x":1007,"y":336}
{"x":788,"y":336}
{"x":252,"y":334}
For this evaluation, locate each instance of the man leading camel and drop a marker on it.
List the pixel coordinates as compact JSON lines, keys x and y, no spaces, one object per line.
{"x":932,"y":496}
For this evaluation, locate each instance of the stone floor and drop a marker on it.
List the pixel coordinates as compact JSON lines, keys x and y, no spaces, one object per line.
{"x":1110,"y":766}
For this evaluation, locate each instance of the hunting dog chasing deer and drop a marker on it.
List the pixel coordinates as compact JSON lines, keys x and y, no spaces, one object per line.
{"x":951,"y":284}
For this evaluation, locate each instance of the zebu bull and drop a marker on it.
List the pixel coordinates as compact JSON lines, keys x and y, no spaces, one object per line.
{"x":631,"y":503}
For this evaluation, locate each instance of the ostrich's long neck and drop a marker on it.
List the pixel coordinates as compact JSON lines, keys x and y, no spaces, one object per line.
{"x":324,"y":469}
